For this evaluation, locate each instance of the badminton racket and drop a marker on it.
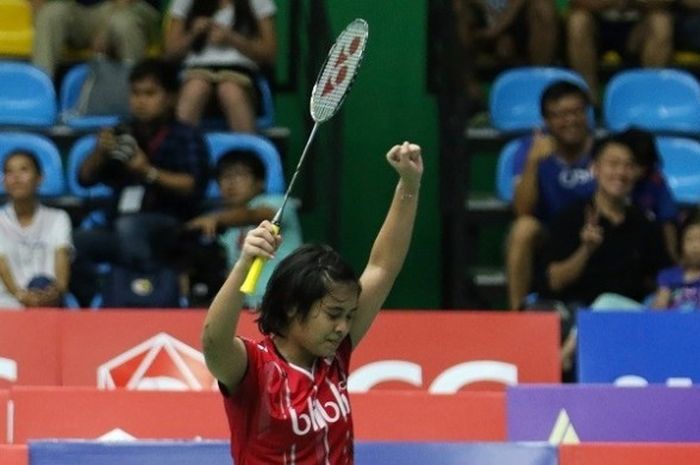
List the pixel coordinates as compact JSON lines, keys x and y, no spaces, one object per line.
{"x":332,"y":86}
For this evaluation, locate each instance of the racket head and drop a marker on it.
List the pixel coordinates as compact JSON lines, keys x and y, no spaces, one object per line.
{"x":339,"y":70}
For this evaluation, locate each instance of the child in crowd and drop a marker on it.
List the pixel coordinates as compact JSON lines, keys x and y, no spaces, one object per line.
{"x":679,"y":286}
{"x":35,"y":240}
{"x":240,"y":175}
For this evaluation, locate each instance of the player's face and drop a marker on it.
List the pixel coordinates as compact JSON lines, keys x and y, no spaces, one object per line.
{"x":567,"y":121}
{"x":615,"y":171}
{"x":328,"y":322}
{"x":21,"y":179}
{"x":691,"y":246}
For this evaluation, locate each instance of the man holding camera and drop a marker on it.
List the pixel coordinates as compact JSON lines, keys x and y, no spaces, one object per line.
{"x":158,"y":169}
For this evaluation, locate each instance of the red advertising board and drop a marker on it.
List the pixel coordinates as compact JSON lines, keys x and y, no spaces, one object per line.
{"x":89,"y":413}
{"x":14,"y":455}
{"x":630,"y":454}
{"x":29,"y":348}
{"x":434,"y":351}
{"x":443,"y":352}
{"x":4,"y":398}
{"x":418,"y":416}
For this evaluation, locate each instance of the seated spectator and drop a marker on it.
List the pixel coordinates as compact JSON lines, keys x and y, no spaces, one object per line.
{"x":679,"y":286}
{"x":241,"y":179}
{"x":158,"y":168}
{"x":651,"y":192}
{"x":122,"y":28}
{"x":603,"y":245}
{"x":639,"y":29}
{"x":552,"y":171}
{"x":224,"y":45}
{"x":508,"y":32}
{"x":35,"y":240}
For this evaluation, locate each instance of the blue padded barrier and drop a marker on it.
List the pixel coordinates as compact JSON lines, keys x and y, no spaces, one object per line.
{"x":217,"y":453}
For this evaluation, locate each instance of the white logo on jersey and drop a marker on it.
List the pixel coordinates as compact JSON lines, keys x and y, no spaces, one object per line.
{"x":573,"y":177}
{"x":319,"y":416}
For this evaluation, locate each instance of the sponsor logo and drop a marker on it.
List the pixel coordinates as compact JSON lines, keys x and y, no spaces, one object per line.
{"x":449,"y":381}
{"x":8,"y":369}
{"x":319,"y":415}
{"x":161,"y":363}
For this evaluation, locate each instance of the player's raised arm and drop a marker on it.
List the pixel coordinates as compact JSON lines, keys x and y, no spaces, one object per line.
{"x":225,"y":354}
{"x":392,"y":242}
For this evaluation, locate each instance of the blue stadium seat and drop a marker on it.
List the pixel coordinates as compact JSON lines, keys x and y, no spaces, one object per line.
{"x":504,"y":170}
{"x":220,"y":143}
{"x":664,"y":100}
{"x":79,"y":151}
{"x":266,"y":118}
{"x":27,"y":96}
{"x":53,"y":184}
{"x":680,"y":159}
{"x":69,"y":96}
{"x":514,"y":102}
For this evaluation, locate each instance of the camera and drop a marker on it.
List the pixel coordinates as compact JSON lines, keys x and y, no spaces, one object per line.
{"x":126,"y":144}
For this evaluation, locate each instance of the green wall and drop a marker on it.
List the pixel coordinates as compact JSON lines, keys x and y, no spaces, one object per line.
{"x":388,"y":104}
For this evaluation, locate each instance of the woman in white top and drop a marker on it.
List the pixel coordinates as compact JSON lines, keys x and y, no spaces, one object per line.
{"x":35,"y":240}
{"x":224,"y":43}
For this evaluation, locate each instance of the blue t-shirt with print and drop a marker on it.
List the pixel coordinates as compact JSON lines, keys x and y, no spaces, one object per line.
{"x":684,"y":295}
{"x":560,"y":183}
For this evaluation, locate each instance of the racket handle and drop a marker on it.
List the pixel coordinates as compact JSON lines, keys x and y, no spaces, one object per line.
{"x":251,"y":279}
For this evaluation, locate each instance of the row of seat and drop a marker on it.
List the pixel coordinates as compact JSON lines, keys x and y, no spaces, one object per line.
{"x":28,"y":98}
{"x":659,"y":100}
{"x":59,"y":181}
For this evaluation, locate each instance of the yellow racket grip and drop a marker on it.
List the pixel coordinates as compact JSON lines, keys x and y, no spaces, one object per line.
{"x":251,"y":279}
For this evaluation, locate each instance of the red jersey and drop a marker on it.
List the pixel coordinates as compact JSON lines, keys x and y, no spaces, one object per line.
{"x":284,"y":414}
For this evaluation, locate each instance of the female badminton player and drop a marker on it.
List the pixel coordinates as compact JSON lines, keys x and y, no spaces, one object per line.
{"x":286,"y":395}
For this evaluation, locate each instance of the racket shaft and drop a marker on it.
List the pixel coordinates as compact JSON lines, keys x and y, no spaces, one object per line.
{"x":251,"y":280}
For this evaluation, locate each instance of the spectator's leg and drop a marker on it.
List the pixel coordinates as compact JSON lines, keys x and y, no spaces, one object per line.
{"x":92,"y":247}
{"x":653,"y":39}
{"x":194,"y":95}
{"x":131,"y":27}
{"x":582,"y":53}
{"x":236,"y":104}
{"x":142,"y":236}
{"x":520,"y":257}
{"x":543,"y":30}
{"x":55,"y":25}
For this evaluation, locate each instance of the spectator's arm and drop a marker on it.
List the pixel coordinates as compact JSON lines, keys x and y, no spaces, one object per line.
{"x":561,"y":274}
{"x":262,"y":48}
{"x":526,"y":193}
{"x":178,"y":39}
{"x":62,"y":269}
{"x":7,"y":278}
{"x":670,"y":236}
{"x":662,"y":298}
{"x":236,"y":216}
{"x":89,"y":171}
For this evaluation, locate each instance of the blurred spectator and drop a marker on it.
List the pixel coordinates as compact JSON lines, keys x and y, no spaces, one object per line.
{"x":651,"y":192}
{"x":507,"y":32}
{"x":552,"y":171}
{"x":687,"y":25}
{"x":604,"y":251}
{"x":158,"y":168}
{"x":241,"y":179}
{"x":224,"y":45}
{"x":679,"y":286}
{"x":35,"y":240}
{"x":119,"y":28}
{"x":637,"y":29}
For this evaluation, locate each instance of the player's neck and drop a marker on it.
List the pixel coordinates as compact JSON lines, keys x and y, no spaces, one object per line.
{"x":293,"y":353}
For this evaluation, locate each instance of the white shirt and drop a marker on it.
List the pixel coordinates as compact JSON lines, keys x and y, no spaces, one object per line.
{"x":31,"y":250}
{"x":214,"y":55}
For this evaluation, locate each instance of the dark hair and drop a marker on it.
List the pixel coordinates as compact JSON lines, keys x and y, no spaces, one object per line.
{"x":23,"y":153}
{"x":605,"y":141}
{"x":299,"y":280}
{"x":560,"y":89}
{"x":243,"y":157}
{"x":164,"y":72}
{"x":244,"y":21}
{"x":643,"y":145}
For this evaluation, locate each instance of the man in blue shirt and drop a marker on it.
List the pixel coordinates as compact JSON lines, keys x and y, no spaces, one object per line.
{"x":552,"y":171}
